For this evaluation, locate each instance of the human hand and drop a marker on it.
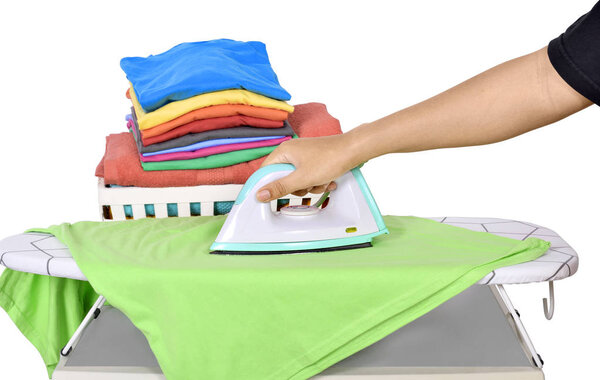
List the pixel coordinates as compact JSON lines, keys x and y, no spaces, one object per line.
{"x":318,"y":161}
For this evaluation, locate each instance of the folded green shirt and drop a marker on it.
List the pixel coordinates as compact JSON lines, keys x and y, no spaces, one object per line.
{"x":270,"y":316}
{"x":212,"y":161}
{"x":46,"y":309}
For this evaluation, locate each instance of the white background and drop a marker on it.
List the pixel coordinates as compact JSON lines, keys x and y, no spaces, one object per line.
{"x":62,"y":91}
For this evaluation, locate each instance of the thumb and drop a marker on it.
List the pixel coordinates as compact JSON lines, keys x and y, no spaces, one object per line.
{"x":280,"y":187}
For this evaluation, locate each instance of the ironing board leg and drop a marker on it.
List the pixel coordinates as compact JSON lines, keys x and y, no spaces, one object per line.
{"x":501,"y":292}
{"x":92,"y":314}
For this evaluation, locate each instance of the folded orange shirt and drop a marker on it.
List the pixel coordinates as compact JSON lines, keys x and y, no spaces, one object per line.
{"x":220,"y":110}
{"x":204,"y":125}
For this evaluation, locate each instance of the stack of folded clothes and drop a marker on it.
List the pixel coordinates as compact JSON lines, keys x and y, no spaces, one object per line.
{"x":206,"y":104}
{"x":204,"y":113}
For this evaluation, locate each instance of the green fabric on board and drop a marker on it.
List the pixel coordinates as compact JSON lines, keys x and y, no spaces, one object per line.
{"x":46,"y":309}
{"x":276,"y":316}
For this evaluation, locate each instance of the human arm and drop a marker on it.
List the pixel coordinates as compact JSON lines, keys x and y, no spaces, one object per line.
{"x":505,"y":101}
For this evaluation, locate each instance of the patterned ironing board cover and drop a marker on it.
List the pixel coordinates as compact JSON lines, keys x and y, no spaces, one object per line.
{"x":44,"y":254}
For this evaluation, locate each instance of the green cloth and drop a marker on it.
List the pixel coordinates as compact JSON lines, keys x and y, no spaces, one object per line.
{"x":46,"y":309}
{"x":213,"y":161}
{"x":276,"y":316}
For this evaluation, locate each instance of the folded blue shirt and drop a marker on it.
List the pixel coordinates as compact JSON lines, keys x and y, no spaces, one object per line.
{"x":195,"y":68}
{"x":211,"y":143}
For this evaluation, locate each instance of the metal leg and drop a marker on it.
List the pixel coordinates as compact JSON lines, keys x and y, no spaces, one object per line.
{"x":549,"y":310}
{"x":537,"y":359}
{"x":92,"y":314}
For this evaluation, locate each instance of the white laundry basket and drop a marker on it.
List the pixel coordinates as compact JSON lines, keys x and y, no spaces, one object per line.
{"x":121,"y":203}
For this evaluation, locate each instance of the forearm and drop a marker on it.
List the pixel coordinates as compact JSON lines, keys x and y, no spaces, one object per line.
{"x":505,"y":101}
{"x":510,"y":99}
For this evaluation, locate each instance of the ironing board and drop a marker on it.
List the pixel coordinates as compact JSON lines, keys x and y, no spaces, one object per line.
{"x":44,"y":254}
{"x":476,"y":335}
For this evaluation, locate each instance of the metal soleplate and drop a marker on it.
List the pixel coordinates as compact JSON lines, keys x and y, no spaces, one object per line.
{"x":329,"y":249}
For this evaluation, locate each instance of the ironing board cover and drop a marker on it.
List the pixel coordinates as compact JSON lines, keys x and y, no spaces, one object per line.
{"x":44,"y":254}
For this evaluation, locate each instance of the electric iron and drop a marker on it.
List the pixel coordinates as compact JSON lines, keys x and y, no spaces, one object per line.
{"x":350,"y":219}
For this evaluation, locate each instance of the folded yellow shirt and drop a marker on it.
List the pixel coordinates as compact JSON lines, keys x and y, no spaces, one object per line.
{"x":175,"y":109}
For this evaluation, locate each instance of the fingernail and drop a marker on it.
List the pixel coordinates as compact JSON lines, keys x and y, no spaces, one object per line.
{"x":332,"y":186}
{"x":263,"y":195}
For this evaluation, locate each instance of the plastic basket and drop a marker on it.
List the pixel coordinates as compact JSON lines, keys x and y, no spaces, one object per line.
{"x":121,"y":203}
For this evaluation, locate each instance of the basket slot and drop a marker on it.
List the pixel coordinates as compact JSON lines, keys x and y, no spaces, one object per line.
{"x":195,"y":208}
{"x":207,"y":208}
{"x":118,"y":212}
{"x":160,"y":210}
{"x":183,"y":209}
{"x":222,"y":208}
{"x":280,"y":203}
{"x":105,"y":212}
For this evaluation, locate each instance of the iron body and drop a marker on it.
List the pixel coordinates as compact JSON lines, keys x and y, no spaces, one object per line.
{"x":350,"y":220}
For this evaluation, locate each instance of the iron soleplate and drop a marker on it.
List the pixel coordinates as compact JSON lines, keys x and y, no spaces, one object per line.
{"x":328,"y":249}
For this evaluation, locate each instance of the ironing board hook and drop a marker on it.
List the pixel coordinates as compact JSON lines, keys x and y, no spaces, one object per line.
{"x":549,"y":305}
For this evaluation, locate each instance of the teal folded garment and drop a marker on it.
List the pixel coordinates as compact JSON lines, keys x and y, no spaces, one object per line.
{"x":271,"y":316}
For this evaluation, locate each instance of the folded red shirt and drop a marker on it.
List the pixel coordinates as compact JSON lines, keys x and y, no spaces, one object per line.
{"x":204,"y":125}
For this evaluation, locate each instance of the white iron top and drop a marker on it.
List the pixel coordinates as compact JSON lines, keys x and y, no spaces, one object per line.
{"x":44,"y":254}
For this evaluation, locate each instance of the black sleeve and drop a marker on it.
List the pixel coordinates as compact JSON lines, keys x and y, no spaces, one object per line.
{"x":575,"y":55}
